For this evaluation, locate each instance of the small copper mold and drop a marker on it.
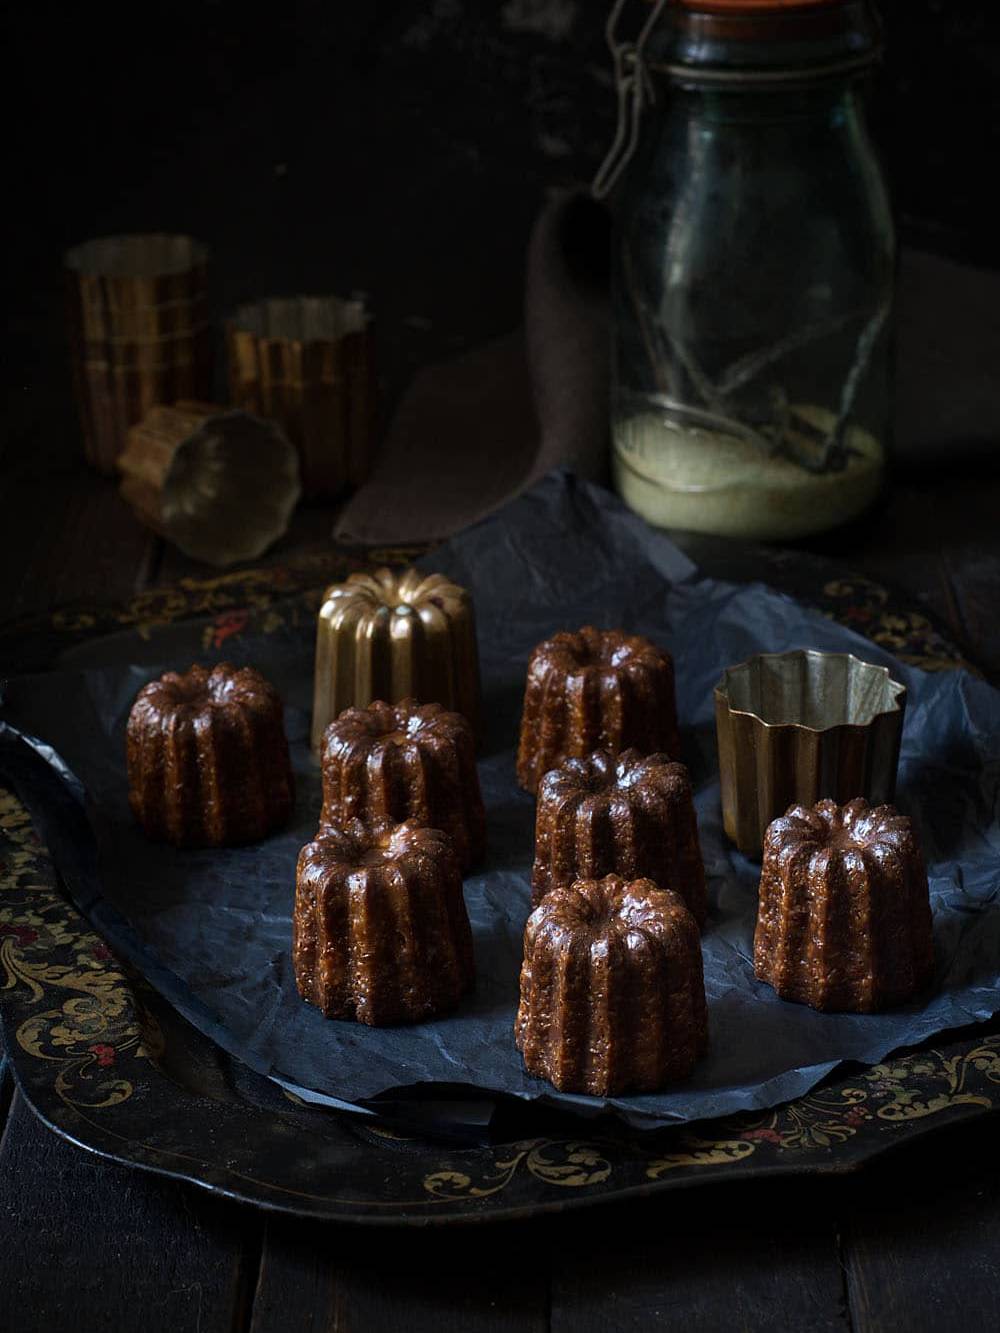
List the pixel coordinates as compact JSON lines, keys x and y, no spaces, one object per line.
{"x":220,"y":484}
{"x":395,"y":636}
{"x":795,"y":727}
{"x":307,"y":362}
{"x":138,"y":330}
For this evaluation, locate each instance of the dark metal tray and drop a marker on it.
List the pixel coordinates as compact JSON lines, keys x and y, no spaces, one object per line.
{"x":108,"y":1064}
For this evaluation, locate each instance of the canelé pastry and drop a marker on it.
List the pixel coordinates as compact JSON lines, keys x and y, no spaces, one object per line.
{"x":207,"y":758}
{"x":405,"y":761}
{"x":395,"y":636}
{"x":630,"y":815}
{"x":612,"y":990}
{"x":380,"y":932}
{"x":844,"y":920}
{"x":595,"y":690}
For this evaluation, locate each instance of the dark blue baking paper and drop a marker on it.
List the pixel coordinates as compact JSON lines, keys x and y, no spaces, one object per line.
{"x":211,"y":928}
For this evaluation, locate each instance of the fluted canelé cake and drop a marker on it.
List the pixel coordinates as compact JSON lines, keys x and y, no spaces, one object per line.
{"x":207,"y":757}
{"x":844,"y":918}
{"x":630,"y":815}
{"x":612,"y":988}
{"x":595,"y":690}
{"x":380,"y":930}
{"x":395,"y":636}
{"x":405,"y":761}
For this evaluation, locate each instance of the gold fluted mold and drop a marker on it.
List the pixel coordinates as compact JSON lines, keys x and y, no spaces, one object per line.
{"x":137,"y":310}
{"x":793,"y":728}
{"x":308,"y":363}
{"x":221,"y":485}
{"x":392,"y":636}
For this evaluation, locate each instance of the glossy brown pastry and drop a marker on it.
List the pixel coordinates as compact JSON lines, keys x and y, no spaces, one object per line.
{"x":207,"y":758}
{"x":380,"y":932}
{"x":844,"y":921}
{"x":595,"y":690}
{"x":612,"y":991}
{"x":630,"y":815}
{"x":405,"y":761}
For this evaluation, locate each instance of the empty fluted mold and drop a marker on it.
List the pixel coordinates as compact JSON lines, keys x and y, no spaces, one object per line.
{"x":308,"y":363}
{"x":795,"y":727}
{"x":139,"y":332}
{"x":393,"y":636}
{"x":220,"y":485}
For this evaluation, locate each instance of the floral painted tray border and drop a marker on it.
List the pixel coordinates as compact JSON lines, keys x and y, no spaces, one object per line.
{"x":107,"y":1063}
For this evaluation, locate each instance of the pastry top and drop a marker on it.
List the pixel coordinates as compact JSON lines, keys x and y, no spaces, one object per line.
{"x":594,"y":689}
{"x":360,"y":845}
{"x":386,"y":593}
{"x":198,"y":690}
{"x":613,"y":917}
{"x":846,"y":833}
{"x":602,"y":652}
{"x":382,"y":725}
{"x":614,"y":781}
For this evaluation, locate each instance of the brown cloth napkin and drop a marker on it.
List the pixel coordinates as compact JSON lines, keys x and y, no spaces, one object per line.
{"x":473,"y":433}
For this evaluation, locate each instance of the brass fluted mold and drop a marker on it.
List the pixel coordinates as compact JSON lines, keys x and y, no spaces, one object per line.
{"x":795,"y":727}
{"x":395,"y":636}
{"x":137,"y":308}
{"x":308,"y":363}
{"x":220,"y":485}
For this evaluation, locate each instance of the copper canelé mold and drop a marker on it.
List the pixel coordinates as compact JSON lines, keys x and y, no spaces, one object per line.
{"x":799,"y":726}
{"x":220,"y":484}
{"x":393,"y":636}
{"x":307,"y":362}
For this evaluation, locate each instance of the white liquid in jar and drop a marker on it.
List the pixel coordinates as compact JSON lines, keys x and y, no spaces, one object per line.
{"x":678,"y":475}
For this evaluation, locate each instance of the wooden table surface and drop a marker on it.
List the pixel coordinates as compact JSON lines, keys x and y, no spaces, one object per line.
{"x":447,"y":134}
{"x":911,"y":1242}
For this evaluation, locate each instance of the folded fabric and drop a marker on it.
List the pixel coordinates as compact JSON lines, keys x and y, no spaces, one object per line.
{"x":472,"y":433}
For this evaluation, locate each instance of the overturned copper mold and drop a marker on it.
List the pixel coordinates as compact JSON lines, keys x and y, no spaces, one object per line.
{"x":796,"y":727}
{"x":221,"y":485}
{"x":394,"y":636}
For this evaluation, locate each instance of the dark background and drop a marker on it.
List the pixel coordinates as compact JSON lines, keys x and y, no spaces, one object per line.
{"x":400,"y":149}
{"x":403,"y":149}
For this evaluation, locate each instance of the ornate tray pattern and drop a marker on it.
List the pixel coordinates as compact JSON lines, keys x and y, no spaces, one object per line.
{"x":107,"y":1063}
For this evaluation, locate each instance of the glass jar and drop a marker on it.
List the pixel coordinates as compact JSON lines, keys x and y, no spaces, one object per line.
{"x":754,"y":265}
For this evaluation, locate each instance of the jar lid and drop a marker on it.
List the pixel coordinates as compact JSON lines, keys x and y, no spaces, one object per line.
{"x":764,"y":41}
{"x":751,"y":6}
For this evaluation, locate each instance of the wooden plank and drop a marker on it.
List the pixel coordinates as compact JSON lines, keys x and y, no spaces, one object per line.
{"x":72,"y":540}
{"x":65,"y":534}
{"x":360,"y":1281}
{"x":86,"y":1244}
{"x":747,"y":1257}
{"x":920,"y":1242}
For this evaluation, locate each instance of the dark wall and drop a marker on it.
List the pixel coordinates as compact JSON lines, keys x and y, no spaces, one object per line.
{"x":397,"y":148}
